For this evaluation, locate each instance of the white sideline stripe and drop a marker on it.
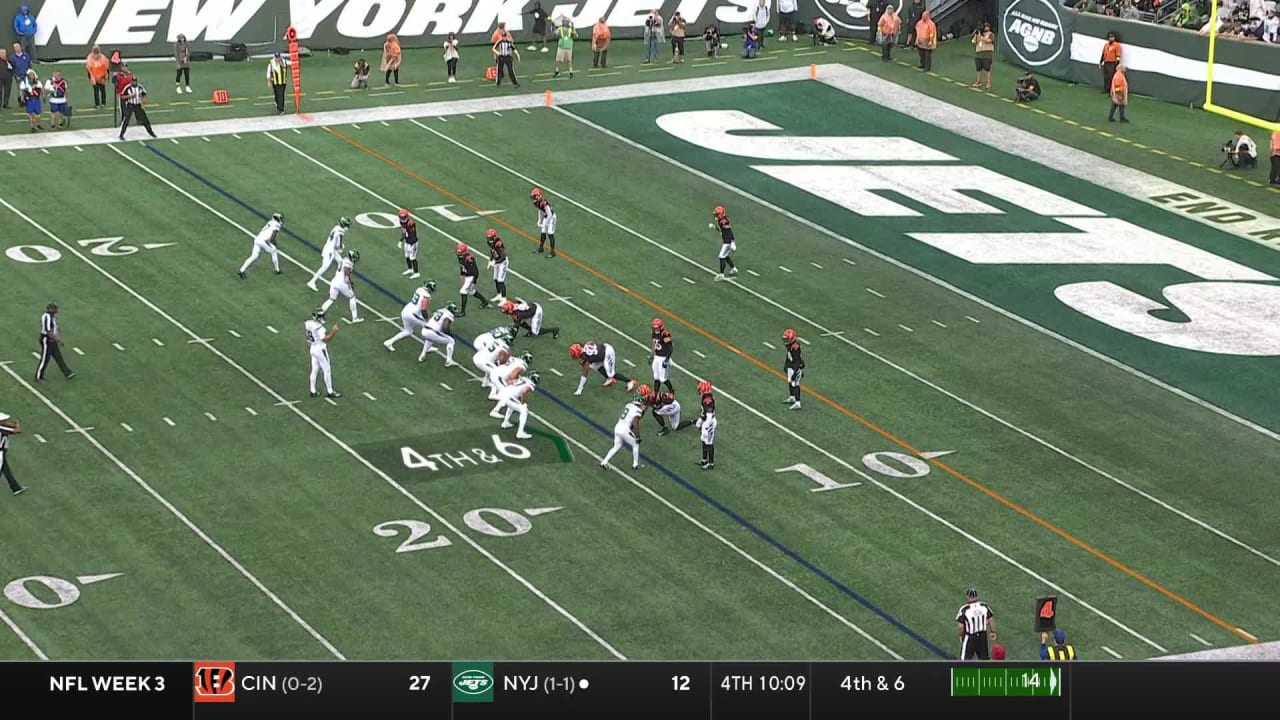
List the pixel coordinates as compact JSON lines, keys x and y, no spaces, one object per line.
{"x":465,"y":538}
{"x":25,"y":638}
{"x":142,"y":483}
{"x":886,"y":361}
{"x":783,"y":429}
{"x":643,"y":488}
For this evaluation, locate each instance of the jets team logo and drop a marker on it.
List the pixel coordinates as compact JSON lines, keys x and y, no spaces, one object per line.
{"x":851,"y":14}
{"x":472,"y":682}
{"x":1034,"y":33}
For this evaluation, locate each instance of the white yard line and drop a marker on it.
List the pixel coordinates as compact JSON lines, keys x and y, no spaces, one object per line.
{"x":935,"y":322}
{"x":643,"y":488}
{"x":442,"y":520}
{"x":1200,"y":640}
{"x":761,"y":416}
{"x":873,"y":292}
{"x":1112,"y":653}
{"x":23,"y":636}
{"x":144,"y":485}
{"x":169,"y":422}
{"x":127,"y":427}
{"x":118,"y":346}
{"x":880,"y":358}
{"x":251,"y":411}
{"x":869,"y":331}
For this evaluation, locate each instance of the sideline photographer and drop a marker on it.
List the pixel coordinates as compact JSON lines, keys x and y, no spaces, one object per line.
{"x":1241,"y":150}
{"x":1028,"y":88}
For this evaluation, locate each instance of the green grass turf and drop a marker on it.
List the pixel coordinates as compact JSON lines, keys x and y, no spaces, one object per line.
{"x":298,"y":511}
{"x":1177,"y":143}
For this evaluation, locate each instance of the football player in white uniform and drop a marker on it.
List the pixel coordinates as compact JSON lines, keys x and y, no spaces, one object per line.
{"x":413,"y":316}
{"x":627,"y":432}
{"x":332,"y":251}
{"x":436,"y":332}
{"x":601,"y":358}
{"x":265,"y":242}
{"x":343,"y":285}
{"x":508,"y":371}
{"x":515,"y":398}
{"x":487,"y":346}
{"x":318,"y":341}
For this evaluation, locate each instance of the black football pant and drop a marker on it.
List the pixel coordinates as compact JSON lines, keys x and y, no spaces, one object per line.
{"x":49,"y":350}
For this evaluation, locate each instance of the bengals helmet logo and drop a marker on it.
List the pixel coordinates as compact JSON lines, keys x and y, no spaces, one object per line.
{"x":215,"y":682}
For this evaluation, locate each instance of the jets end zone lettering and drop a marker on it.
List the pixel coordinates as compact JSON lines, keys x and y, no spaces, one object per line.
{"x":68,"y":28}
{"x":1232,"y":310}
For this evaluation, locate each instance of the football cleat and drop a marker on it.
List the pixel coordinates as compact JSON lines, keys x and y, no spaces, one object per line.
{"x":344,"y":222}
{"x":788,"y":336}
{"x":575,"y":351}
{"x":704,"y":387}
{"x":609,"y":382}
{"x":631,"y":385}
{"x":657,"y":324}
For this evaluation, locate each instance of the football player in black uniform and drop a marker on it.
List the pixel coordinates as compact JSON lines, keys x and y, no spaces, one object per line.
{"x":728,"y":246}
{"x":409,"y":243}
{"x":664,"y":406}
{"x":546,"y":222}
{"x":707,"y":424}
{"x":660,"y":349}
{"x":601,"y":358}
{"x":794,"y":366}
{"x":528,"y":315}
{"x":498,"y":263}
{"x":469,"y":272}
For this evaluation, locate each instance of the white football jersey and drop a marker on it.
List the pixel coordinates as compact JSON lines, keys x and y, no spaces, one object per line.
{"x":440,"y":320}
{"x":629,"y":414}
{"x":315,"y":332}
{"x":421,"y":299}
{"x":336,"y":236}
{"x":264,"y":235}
{"x":344,"y":267}
{"x":510,"y":368}
{"x":486,"y":343}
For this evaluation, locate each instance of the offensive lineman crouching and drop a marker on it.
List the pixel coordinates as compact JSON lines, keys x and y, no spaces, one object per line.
{"x":707,"y":424}
{"x":436,"y":332}
{"x":601,"y":358}
{"x":794,"y":366}
{"x":528,"y":315}
{"x":487,"y":347}
{"x":515,"y":398}
{"x":507,"y":371}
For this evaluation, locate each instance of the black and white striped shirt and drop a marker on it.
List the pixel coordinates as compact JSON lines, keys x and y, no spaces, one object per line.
{"x":134,"y":93}
{"x":976,"y":617}
{"x":49,"y":325}
{"x":504,"y":47}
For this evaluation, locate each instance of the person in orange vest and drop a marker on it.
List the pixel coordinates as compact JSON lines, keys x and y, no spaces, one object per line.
{"x":1119,"y":94}
{"x":96,"y":65}
{"x":926,"y":35}
{"x":1275,"y":157}
{"x":1110,"y":60}
{"x":601,"y":37}
{"x":888,"y":28}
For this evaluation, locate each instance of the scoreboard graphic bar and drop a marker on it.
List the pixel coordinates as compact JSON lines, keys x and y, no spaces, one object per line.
{"x":240,"y":690}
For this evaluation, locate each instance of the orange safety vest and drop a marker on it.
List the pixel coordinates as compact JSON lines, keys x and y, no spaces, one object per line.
{"x":1111,"y":52}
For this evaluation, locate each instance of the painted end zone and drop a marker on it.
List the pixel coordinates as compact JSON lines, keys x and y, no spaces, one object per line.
{"x":1189,"y":305}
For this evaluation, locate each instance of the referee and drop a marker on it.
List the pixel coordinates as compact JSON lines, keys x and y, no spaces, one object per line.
{"x":50,"y":343}
{"x":503,"y":50}
{"x":134,"y":98}
{"x":9,"y":426}
{"x":977,"y":624}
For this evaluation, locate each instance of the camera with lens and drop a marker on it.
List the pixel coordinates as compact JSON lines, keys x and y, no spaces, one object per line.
{"x":1228,"y":146}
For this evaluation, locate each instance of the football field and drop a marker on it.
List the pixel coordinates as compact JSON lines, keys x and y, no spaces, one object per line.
{"x":1001,"y":390}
